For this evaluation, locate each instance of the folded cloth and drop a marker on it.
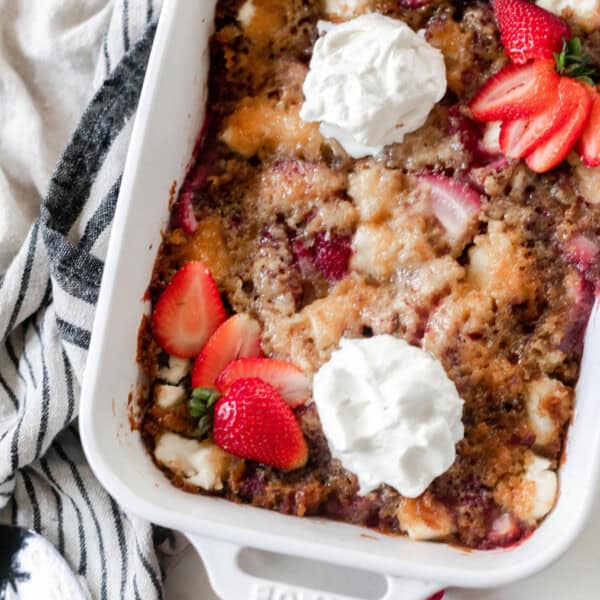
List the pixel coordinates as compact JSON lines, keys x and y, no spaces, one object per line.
{"x":48,"y":57}
{"x":47,"y":300}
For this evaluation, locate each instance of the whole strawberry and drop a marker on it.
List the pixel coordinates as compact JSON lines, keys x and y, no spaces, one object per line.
{"x":253,"y":421}
{"x":528,"y":31}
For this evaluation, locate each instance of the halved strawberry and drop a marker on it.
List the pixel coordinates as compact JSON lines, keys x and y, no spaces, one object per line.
{"x":239,"y":336}
{"x":253,"y":421}
{"x":188,"y":311}
{"x":476,"y":139}
{"x":288,"y":379}
{"x":529,"y":31}
{"x":516,"y":91}
{"x":589,"y":143}
{"x":575,"y":105}
{"x":454,"y":204}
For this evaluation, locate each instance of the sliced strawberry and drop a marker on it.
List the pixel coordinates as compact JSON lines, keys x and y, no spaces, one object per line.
{"x":253,"y":421}
{"x":529,"y":31}
{"x":188,"y":311}
{"x":454,"y":204}
{"x":332,"y":254}
{"x":516,"y":91}
{"x":239,"y":336}
{"x":589,"y":143}
{"x":575,"y":105}
{"x":288,"y":379}
{"x":505,"y":530}
{"x":520,"y":137}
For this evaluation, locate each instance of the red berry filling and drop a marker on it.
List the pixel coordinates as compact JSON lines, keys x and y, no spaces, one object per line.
{"x":330,"y":254}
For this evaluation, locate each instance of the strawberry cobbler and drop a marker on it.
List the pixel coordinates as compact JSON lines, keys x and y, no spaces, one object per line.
{"x":453,"y":223}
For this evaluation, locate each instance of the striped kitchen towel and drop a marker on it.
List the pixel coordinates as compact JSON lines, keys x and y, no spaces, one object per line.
{"x":62,"y":536}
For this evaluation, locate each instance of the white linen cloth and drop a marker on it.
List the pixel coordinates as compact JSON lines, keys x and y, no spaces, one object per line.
{"x":53,"y":54}
{"x":71,"y":73}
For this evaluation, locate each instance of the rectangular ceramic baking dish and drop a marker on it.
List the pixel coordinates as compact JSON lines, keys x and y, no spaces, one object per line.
{"x":170,"y":113}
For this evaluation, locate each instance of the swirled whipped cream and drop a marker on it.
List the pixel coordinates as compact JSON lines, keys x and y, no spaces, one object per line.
{"x":390,"y":413}
{"x":371,"y":81}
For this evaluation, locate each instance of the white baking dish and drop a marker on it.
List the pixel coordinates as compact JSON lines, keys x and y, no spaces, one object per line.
{"x":169,"y":117}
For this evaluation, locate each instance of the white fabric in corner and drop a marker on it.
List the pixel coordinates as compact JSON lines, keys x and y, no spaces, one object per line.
{"x":49,"y":52}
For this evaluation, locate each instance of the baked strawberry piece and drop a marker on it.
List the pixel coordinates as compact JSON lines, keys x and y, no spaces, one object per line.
{"x":581,"y":295}
{"x":455,"y":204}
{"x":329,"y":253}
{"x":472,"y":136}
{"x":184,"y":215}
{"x":237,"y":337}
{"x":289,"y":380}
{"x":582,"y":252}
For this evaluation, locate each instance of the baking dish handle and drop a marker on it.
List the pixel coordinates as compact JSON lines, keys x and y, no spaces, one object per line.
{"x":230,"y":582}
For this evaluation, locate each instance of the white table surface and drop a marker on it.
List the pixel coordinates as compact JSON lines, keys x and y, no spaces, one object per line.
{"x":576,"y":576}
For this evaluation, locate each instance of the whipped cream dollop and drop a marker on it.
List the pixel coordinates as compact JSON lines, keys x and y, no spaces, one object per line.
{"x":390,"y":413}
{"x":371,"y":81}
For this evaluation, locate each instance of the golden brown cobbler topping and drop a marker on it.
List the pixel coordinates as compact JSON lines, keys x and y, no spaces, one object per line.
{"x":317,"y":246}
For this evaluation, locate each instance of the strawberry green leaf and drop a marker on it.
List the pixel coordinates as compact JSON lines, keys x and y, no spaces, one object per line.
{"x":204,"y":426}
{"x":573,"y":62}
{"x":200,"y":407}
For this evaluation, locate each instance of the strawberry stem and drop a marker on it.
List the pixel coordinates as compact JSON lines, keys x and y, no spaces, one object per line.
{"x":572,"y":62}
{"x":200,"y":407}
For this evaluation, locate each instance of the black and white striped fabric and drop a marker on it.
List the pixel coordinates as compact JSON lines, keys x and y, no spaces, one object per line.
{"x":47,"y":302}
